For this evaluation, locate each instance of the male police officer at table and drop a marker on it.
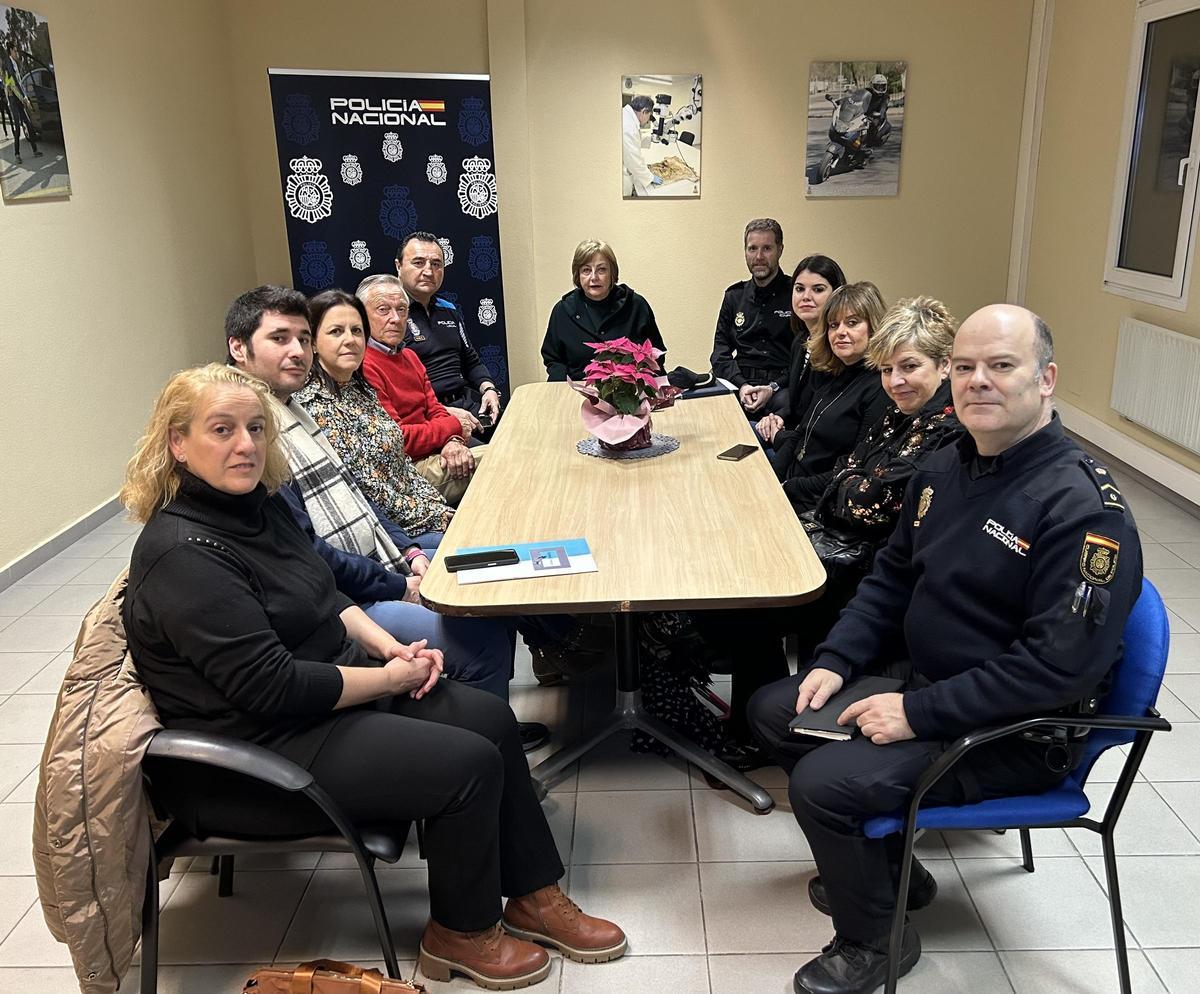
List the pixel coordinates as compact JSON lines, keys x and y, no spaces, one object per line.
{"x":438,"y":335}
{"x":752,"y":346}
{"x":1007,"y":584}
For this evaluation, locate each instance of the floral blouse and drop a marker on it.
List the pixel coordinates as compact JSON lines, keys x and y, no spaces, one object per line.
{"x":868,"y":486}
{"x":371,"y":445}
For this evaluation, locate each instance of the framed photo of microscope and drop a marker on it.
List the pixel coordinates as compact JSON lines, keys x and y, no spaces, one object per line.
{"x":855,"y":128}
{"x":661,"y":129}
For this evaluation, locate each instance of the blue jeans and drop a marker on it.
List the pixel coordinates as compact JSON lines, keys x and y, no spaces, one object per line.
{"x":478,"y":651}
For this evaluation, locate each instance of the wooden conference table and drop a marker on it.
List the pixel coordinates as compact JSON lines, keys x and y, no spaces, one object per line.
{"x":682,"y":531}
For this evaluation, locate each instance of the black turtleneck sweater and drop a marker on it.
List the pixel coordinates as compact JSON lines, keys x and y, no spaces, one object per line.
{"x":233,"y":620}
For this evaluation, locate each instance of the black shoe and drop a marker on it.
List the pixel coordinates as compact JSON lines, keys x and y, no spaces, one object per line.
{"x":743,"y":756}
{"x":533,"y":734}
{"x":922,"y":889}
{"x":37,"y":154}
{"x":849,"y":967}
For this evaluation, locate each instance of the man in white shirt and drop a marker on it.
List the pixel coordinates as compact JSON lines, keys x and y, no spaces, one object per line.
{"x":637,"y":178}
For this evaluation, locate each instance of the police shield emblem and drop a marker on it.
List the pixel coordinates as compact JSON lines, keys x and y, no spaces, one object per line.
{"x":360,"y":255}
{"x":352,"y":173}
{"x":397,"y":213}
{"x":484,"y":260}
{"x":301,"y":124}
{"x":436,"y":171}
{"x":393,"y":151}
{"x":316,"y":266}
{"x":477,"y":188}
{"x":447,"y":250}
{"x":739,"y":320}
{"x":488,"y":315}
{"x":1098,"y":559}
{"x":497,"y":363}
{"x":308,"y":195}
{"x":474,"y":127}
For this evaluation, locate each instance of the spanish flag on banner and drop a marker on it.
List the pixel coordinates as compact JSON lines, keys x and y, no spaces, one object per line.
{"x":432,"y":106}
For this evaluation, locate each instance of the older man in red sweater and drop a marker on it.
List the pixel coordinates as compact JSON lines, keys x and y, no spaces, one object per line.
{"x":434,"y":438}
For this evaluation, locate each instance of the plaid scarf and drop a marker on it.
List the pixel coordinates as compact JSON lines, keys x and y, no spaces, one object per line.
{"x":340,"y":513}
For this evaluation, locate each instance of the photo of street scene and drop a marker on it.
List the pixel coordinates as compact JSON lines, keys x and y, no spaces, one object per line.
{"x":855,"y":128}
{"x":33,"y":158}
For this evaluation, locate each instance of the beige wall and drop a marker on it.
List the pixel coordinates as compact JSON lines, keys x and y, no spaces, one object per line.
{"x":947,"y":233}
{"x":1084,"y":103}
{"x":556,"y":100}
{"x":168,"y":122}
{"x":107,"y":293}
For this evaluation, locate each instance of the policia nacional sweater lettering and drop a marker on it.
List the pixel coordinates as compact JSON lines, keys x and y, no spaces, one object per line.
{"x":1008,"y":591}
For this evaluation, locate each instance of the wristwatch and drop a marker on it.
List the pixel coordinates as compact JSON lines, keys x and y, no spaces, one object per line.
{"x":774,"y":385}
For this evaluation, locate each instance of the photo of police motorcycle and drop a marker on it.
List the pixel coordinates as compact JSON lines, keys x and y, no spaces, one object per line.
{"x":855,"y":128}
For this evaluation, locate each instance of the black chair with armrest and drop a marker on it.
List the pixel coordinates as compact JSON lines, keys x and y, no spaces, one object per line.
{"x":172,"y":751}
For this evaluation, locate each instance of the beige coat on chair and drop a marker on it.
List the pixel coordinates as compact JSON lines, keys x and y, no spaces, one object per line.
{"x":91,"y":828}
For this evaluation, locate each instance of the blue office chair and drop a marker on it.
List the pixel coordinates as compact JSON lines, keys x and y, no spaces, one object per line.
{"x":1125,"y":715}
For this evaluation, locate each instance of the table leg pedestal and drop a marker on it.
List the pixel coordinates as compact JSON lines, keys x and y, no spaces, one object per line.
{"x":630,"y":714}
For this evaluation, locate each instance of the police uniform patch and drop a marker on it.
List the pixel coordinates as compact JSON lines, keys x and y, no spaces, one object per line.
{"x":739,"y":320}
{"x":1098,"y":559}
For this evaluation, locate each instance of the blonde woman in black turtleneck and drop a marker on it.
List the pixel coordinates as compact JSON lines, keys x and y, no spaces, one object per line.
{"x":237,"y":628}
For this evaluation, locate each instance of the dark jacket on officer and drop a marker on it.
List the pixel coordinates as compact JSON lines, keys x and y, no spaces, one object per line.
{"x":754,"y":332}
{"x":438,"y":335}
{"x":576,"y":320}
{"x":1007,"y":583}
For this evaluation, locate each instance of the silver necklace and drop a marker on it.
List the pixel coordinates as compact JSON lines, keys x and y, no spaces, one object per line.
{"x":814,"y":417}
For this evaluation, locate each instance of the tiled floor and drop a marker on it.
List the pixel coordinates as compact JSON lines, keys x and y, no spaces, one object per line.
{"x":712,"y":896}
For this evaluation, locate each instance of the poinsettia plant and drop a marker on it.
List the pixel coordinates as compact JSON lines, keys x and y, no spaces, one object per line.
{"x":623,"y":385}
{"x":624,"y":373}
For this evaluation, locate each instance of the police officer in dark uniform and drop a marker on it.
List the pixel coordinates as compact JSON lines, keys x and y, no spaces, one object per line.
{"x":752,"y":347}
{"x":438,"y":335}
{"x":1005,"y":589}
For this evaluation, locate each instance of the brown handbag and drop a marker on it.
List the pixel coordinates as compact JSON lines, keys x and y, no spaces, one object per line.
{"x":326,"y":976}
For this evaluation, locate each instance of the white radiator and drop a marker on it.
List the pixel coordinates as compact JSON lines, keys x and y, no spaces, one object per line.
{"x":1156,"y":383}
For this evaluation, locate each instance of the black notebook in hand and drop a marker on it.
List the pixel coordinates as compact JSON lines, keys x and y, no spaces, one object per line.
{"x":823,"y":724}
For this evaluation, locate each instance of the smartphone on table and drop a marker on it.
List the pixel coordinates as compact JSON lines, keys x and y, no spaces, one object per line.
{"x":738,"y":452}
{"x":481,"y":560}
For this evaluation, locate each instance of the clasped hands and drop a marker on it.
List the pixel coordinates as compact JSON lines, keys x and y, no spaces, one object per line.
{"x":879,"y":717}
{"x":412,"y":669}
{"x":753,"y":397}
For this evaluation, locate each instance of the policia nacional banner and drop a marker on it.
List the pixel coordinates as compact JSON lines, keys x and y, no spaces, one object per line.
{"x":366,"y":159}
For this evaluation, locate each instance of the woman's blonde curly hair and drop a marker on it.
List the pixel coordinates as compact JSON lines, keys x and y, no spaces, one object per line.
{"x":152,"y":475}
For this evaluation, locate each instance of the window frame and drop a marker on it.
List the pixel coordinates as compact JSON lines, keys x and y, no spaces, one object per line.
{"x":1165,"y":291}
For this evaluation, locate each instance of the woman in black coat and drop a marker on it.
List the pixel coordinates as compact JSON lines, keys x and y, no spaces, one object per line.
{"x":599,"y":309}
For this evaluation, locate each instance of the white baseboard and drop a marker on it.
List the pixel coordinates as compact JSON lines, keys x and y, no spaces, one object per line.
{"x":1154,"y":465}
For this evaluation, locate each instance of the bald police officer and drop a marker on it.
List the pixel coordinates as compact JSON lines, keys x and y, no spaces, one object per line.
{"x":1007,"y":584}
{"x":753,"y":343}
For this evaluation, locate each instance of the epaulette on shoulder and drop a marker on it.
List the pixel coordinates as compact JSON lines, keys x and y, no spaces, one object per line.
{"x":734,"y":286}
{"x":1110,"y":495}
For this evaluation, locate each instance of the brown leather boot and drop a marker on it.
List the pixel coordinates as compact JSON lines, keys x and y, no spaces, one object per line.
{"x":494,"y":960}
{"x":549,"y":916}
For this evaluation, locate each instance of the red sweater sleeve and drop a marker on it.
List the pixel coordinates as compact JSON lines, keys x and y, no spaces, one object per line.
{"x":406,"y":394}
